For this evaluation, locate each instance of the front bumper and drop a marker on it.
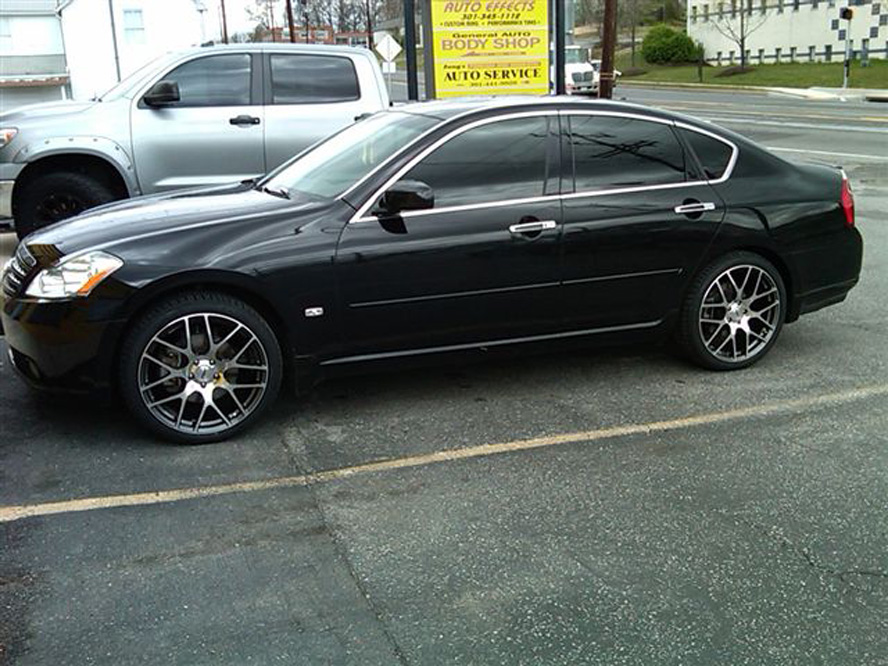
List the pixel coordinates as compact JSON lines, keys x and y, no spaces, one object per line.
{"x":9,"y":171}
{"x":60,"y":346}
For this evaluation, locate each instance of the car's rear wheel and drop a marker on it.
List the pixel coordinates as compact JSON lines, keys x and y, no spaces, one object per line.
{"x":734,"y":312}
{"x":56,"y":196}
{"x":200,"y":367}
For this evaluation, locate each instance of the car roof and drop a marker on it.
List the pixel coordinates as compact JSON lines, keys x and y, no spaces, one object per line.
{"x":464,"y":106}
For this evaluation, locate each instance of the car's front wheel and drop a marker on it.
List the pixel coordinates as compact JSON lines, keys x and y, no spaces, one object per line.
{"x":734,"y":312}
{"x":200,"y":367}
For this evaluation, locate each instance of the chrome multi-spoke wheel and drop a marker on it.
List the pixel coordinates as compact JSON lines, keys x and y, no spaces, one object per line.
{"x":739,"y":313}
{"x":734,"y":311}
{"x":201,"y":371}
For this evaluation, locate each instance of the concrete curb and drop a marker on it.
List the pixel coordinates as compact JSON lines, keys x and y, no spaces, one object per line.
{"x":816,"y":94}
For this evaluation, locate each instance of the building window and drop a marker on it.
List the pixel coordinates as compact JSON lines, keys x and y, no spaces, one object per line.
{"x":864,"y":47}
{"x":812,"y":53}
{"x":792,"y":54}
{"x":705,"y":12}
{"x":749,"y":6}
{"x":718,"y":58}
{"x":795,"y":5}
{"x":827,"y":55}
{"x":764,"y":6}
{"x":777,"y":54}
{"x":761,"y":56}
{"x":733,"y":8}
{"x":877,"y":8}
{"x":874,"y":32}
{"x":694,"y":13}
{"x":814,"y":4}
{"x":842,"y":34}
{"x":779,"y":6}
{"x":731,"y":57}
{"x":832,"y":3}
{"x":133,"y":26}
{"x":834,"y":25}
{"x":721,"y":8}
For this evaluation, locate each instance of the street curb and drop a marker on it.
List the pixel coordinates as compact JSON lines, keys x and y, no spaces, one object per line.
{"x":694,"y":86}
{"x":806,"y":93}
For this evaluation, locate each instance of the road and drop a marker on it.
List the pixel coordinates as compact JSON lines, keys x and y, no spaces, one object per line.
{"x":610,"y":507}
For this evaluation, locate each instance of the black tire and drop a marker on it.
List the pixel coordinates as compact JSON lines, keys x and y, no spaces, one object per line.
{"x":55,"y":196}
{"x":740,"y":332}
{"x":182,"y":396}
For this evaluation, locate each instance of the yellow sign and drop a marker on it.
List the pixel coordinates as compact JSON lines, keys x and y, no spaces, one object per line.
{"x":491,"y":47}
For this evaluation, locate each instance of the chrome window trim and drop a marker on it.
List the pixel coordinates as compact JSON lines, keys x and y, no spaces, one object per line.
{"x":360,"y":215}
{"x":735,"y":151}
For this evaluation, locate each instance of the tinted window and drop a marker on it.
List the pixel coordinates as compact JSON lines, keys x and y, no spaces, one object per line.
{"x":501,"y":160}
{"x":611,"y":152}
{"x":306,"y":79}
{"x":222,"y":80}
{"x":714,"y":155}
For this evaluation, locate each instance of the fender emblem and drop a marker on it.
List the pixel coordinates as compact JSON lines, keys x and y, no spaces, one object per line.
{"x":314,"y":312}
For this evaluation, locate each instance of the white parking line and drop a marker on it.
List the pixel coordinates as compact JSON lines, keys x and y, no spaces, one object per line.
{"x":18,"y":512}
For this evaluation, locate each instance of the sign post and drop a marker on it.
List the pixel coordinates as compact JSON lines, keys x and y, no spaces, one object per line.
{"x":490,"y":47}
{"x":389,"y":49}
{"x":847,"y":14}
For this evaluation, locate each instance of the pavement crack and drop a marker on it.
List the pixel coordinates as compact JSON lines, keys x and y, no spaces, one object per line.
{"x":775,"y":534}
{"x":336,"y":537}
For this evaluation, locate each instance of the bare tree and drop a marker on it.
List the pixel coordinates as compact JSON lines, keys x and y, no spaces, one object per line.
{"x":737,"y":26}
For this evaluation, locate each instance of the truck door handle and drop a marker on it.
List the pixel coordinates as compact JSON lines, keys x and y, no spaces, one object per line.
{"x":691,"y":208}
{"x":244,"y":120}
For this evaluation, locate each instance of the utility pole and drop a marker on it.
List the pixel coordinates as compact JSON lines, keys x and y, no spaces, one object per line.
{"x":224,"y":23}
{"x":410,"y":47}
{"x":608,"y":44}
{"x":847,"y":14}
{"x":560,"y":39}
{"x":370,"y":25}
{"x":290,"y":22}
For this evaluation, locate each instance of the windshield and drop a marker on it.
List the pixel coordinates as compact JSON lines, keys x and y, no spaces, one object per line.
{"x":124,"y":87}
{"x":331,"y":167}
{"x":574,"y":56}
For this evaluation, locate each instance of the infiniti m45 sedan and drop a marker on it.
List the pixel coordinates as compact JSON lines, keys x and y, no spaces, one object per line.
{"x":432,"y":228}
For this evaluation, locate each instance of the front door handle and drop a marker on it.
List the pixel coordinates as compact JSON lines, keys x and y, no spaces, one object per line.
{"x":694,"y":207}
{"x":534,"y":227}
{"x":244,"y":120}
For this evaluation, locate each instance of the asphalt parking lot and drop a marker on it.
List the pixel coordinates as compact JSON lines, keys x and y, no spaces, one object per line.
{"x":600,"y":507}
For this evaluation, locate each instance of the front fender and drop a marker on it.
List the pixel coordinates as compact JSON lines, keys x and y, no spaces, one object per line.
{"x":106,"y":149}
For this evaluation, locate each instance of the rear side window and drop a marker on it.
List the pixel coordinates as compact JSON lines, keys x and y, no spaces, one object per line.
{"x":714,"y":155}
{"x":309,"y":79}
{"x":612,"y":152}
{"x":496,"y":161}
{"x":222,"y":80}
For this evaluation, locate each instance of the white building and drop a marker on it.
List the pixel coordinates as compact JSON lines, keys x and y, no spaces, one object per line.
{"x":32,"y":53}
{"x":105,"y":40}
{"x":788,"y":30}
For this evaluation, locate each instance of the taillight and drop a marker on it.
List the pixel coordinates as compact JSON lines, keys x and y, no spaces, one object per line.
{"x":847,"y":201}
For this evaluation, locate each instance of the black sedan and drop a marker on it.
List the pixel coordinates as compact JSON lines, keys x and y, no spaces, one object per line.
{"x":434,"y":228}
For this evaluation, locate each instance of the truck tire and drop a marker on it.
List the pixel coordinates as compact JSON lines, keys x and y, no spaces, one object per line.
{"x":52,"y":197}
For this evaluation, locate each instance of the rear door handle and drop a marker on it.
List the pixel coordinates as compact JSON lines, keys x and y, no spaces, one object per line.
{"x":532,"y":227}
{"x":243,"y":120}
{"x":697,"y":207}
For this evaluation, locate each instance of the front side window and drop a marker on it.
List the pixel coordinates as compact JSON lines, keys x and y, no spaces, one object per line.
{"x":498,"y":161}
{"x":220,"y":80}
{"x":611,"y":152}
{"x":713,"y":155}
{"x":307,"y":79}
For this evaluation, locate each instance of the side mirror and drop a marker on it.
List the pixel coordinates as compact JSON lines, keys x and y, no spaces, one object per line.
{"x":405,"y":195}
{"x":162,"y":93}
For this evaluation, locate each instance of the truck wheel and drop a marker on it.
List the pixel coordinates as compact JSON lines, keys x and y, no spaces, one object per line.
{"x":55,"y":196}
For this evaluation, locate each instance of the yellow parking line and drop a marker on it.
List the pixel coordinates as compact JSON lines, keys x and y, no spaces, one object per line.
{"x":17,"y":512}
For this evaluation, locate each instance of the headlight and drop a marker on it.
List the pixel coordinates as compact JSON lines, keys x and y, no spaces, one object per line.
{"x":77,"y":275}
{"x":6,"y":135}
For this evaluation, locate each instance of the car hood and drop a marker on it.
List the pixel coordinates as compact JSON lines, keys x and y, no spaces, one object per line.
{"x":45,"y":110}
{"x":134,"y":221}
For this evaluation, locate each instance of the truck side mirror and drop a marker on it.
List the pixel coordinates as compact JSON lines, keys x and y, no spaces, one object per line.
{"x":162,"y":93}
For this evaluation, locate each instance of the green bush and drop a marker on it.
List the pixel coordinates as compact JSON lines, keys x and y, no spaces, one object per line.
{"x":664,"y":45}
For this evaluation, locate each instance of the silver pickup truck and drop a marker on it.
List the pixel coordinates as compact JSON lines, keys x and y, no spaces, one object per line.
{"x":204,"y":116}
